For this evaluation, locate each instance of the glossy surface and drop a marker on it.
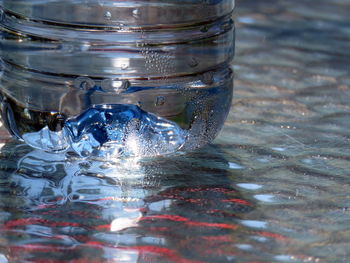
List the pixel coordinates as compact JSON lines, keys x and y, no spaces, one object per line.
{"x":273,"y":187}
{"x":169,"y":58}
{"x":112,"y":131}
{"x":133,"y":13}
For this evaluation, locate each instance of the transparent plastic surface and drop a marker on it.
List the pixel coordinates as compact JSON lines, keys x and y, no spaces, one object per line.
{"x":111,"y":131}
{"x":169,"y":59}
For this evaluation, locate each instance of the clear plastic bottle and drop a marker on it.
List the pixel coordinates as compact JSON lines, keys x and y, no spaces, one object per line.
{"x":169,"y":58}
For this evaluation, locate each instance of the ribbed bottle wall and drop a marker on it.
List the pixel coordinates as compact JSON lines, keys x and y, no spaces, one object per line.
{"x":169,"y":58}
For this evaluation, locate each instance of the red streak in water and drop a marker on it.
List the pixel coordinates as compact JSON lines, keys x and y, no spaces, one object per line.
{"x":95,"y":244}
{"x":176,"y":218}
{"x":272,"y":235}
{"x":224,"y":238}
{"x":158,"y":229}
{"x":103,"y":227}
{"x":81,"y":238}
{"x":168,"y":217}
{"x":218,"y":225}
{"x":193,"y":200}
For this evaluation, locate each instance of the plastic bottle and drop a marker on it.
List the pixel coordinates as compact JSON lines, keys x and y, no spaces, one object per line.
{"x":62,"y":60}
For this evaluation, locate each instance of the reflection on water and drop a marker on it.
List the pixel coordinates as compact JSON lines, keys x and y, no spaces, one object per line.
{"x":193,"y":208}
{"x":184,"y":209}
{"x":274,"y":189}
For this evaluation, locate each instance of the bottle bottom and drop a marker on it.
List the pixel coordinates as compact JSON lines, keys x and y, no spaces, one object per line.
{"x":194,"y":111}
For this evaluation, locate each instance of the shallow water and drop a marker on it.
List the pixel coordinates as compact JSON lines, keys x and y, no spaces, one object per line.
{"x":273,"y":187}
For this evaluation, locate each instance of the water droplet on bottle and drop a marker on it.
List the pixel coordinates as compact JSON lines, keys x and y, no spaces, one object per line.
{"x":66,"y":47}
{"x":27,"y":113}
{"x":160,"y":101}
{"x":115,"y":85}
{"x":192,"y":62}
{"x":108,"y":15}
{"x":226,"y":26}
{"x":84,"y":83}
{"x":2,"y":15}
{"x":204,"y":29}
{"x":135,"y":13}
{"x":121,"y":25}
{"x":2,"y":68}
{"x":121,"y":85}
{"x":85,"y":47}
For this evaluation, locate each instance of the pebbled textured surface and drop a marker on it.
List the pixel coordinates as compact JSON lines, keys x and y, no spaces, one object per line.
{"x":274,"y":187}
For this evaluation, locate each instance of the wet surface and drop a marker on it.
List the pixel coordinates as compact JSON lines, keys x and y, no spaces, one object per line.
{"x":273,"y":187}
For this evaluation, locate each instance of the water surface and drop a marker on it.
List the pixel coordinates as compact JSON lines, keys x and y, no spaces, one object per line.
{"x":273,"y":187}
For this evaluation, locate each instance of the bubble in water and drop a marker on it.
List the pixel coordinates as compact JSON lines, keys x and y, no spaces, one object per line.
{"x":208,"y":78}
{"x":124,"y":66}
{"x":192,"y":62}
{"x":112,"y":130}
{"x":204,"y":29}
{"x":108,"y":15}
{"x":160,"y":101}
{"x":84,"y":83}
